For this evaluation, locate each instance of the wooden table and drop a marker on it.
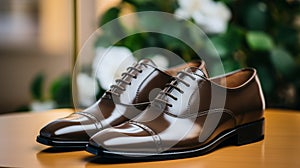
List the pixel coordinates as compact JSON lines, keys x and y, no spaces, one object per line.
{"x":280,"y":148}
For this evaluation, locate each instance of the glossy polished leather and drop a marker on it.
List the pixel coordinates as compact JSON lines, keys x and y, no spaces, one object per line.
{"x":126,"y":99}
{"x":189,"y":118}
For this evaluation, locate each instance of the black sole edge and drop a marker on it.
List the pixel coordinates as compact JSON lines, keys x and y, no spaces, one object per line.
{"x":242,"y":135}
{"x":61,"y":144}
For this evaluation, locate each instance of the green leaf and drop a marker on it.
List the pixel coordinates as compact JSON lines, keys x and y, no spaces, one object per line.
{"x":283,"y":61}
{"x":222,"y":46}
{"x":227,"y":65}
{"x":36,"y":87}
{"x":288,"y":36}
{"x":138,"y":2}
{"x":172,"y":43}
{"x":103,"y":41}
{"x":226,"y":44}
{"x":259,"y":41}
{"x":266,"y":78}
{"x":61,"y":91}
{"x":133,"y":42}
{"x":256,"y":16}
{"x":109,"y":15}
{"x":230,"y":65}
{"x":226,"y":1}
{"x":151,"y":22}
{"x":215,"y":70}
{"x":113,"y":29}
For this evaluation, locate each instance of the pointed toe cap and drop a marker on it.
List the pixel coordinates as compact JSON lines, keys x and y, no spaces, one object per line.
{"x":124,"y":138}
{"x":73,"y":127}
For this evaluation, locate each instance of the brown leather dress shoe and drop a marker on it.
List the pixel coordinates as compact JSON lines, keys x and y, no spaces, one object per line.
{"x":190,"y":117}
{"x":125,"y":100}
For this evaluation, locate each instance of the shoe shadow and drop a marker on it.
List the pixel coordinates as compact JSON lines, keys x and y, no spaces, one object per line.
{"x":61,"y":150}
{"x":56,"y":157}
{"x":107,"y":160}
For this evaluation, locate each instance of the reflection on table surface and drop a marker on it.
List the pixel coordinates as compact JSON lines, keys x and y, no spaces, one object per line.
{"x":18,"y":148}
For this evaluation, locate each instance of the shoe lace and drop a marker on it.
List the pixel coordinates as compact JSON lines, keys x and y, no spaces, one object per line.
{"x":173,"y":85}
{"x":129,"y":73}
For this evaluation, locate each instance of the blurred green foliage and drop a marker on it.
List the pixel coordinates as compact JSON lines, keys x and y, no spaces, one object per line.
{"x":261,"y":34}
{"x":36,"y":87}
{"x":60,"y":90}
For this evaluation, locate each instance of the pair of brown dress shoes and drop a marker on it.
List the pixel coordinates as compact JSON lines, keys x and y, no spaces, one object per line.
{"x":155,"y":114}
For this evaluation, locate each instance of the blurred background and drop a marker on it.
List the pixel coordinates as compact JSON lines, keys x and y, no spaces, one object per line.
{"x":35,"y":38}
{"x":37,"y":50}
{"x":40,"y":39}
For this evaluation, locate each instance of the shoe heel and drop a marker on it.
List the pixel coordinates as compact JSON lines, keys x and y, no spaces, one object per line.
{"x":250,"y":133}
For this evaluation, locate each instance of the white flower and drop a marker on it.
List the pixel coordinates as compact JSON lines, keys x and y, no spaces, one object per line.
{"x":38,"y":106}
{"x":109,"y":64}
{"x":87,"y":89}
{"x":212,"y":16}
{"x":161,"y":61}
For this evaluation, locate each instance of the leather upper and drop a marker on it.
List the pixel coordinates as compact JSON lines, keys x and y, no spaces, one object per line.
{"x":189,"y":113}
{"x":126,"y":99}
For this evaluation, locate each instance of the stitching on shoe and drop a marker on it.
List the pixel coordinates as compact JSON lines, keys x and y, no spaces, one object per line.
{"x":155,"y":137}
{"x":92,"y":117}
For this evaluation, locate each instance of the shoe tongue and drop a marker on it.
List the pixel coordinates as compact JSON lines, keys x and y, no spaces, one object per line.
{"x":195,"y":71}
{"x":148,"y":62}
